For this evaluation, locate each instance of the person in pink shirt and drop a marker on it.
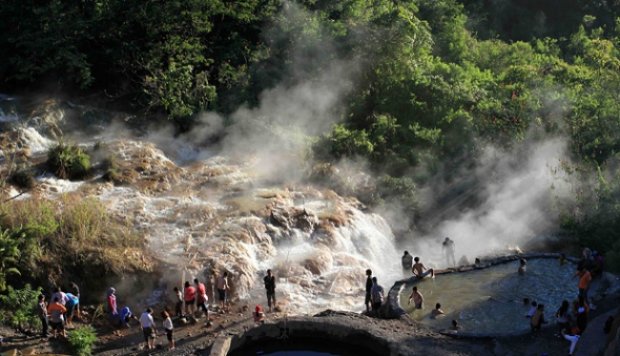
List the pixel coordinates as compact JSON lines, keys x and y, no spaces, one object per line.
{"x":111,"y":303}
{"x":189,"y":295}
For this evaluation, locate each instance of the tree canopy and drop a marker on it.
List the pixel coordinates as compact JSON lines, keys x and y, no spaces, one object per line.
{"x":436,"y":77}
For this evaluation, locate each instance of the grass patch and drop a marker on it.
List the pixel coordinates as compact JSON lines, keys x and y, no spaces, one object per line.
{"x":71,"y":239}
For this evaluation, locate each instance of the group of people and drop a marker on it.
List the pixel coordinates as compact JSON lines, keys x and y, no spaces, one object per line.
{"x":571,"y":324}
{"x":59,"y":313}
{"x":188,"y":301}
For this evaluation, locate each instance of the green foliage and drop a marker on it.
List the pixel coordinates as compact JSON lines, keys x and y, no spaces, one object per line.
{"x":82,"y":340}
{"x":19,"y":308}
{"x":595,"y":220}
{"x":344,"y":142}
{"x":68,"y":161}
{"x":401,"y":189}
{"x":434,"y":80}
{"x":9,"y":256}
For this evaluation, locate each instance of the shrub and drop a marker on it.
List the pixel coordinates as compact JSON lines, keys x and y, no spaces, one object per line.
{"x":22,"y":178}
{"x":9,"y":255}
{"x":68,"y":161}
{"x":82,"y":340}
{"x":20,"y":308}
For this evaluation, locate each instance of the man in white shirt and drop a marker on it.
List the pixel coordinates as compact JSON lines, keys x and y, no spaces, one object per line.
{"x":148,"y":328}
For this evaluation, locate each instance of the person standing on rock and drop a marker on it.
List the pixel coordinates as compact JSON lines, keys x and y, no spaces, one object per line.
{"x":111,"y":303}
{"x":189,"y":296}
{"x":75,"y":290}
{"x":202,"y":298}
{"x":584,"y":283}
{"x":56,"y":312}
{"x":420,"y":271}
{"x":377,"y":294}
{"x":178,"y":306}
{"x":42,"y":312}
{"x":169,"y":329}
{"x":407,"y":261}
{"x":368,"y":300}
{"x":148,"y":328}
{"x":270,"y":287}
{"x":222,"y":290}
{"x":448,"y":250}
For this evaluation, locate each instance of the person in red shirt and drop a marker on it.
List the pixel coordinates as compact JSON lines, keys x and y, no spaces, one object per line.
{"x":189,"y":296}
{"x":202,"y":298}
{"x":112,"y":309}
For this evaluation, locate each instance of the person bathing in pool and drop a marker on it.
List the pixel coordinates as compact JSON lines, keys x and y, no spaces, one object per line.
{"x":417,"y":297}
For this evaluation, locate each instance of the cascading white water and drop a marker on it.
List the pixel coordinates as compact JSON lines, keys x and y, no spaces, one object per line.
{"x":211,"y":215}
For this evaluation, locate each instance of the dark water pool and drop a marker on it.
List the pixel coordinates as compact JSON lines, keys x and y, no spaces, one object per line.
{"x":490,"y":300}
{"x":301,"y":347}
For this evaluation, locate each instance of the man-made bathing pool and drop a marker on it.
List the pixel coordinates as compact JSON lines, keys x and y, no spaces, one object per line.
{"x":489,"y":301}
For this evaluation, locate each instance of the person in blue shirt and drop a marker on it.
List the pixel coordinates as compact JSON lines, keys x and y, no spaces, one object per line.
{"x":125,"y":316}
{"x":72,"y":304}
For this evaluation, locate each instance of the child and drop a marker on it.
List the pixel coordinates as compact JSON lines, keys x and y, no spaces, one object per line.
{"x":168,"y":328}
{"x":259,"y":316}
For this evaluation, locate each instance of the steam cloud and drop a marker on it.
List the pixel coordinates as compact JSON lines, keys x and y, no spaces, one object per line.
{"x":518,"y":194}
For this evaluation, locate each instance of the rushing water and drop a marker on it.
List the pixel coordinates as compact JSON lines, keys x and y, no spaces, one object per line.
{"x":490,"y":300}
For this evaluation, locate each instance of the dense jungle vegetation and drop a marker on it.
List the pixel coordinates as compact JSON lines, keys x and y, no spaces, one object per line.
{"x":437,"y":79}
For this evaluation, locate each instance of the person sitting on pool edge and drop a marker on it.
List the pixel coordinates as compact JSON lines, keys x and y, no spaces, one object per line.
{"x":418,"y":298}
{"x":437,"y":311}
{"x":420,"y":271}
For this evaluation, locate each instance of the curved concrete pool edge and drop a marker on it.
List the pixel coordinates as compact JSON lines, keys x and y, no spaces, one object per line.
{"x":347,"y":331}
